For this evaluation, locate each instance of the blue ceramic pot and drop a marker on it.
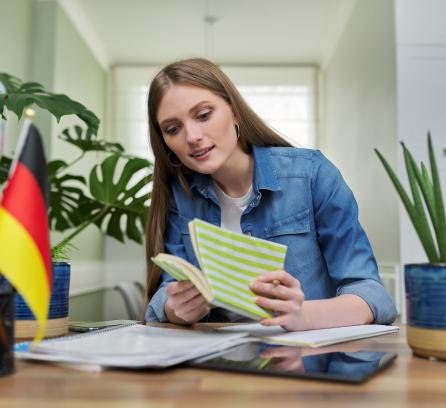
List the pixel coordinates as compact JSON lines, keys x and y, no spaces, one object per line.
{"x":426,"y":308}
{"x":426,"y":295}
{"x":59,"y":297}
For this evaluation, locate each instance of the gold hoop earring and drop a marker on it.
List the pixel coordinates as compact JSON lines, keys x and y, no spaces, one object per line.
{"x":170,"y":161}
{"x":237,"y":130}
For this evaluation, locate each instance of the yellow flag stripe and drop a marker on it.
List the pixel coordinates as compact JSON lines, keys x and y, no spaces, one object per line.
{"x":22,"y":264}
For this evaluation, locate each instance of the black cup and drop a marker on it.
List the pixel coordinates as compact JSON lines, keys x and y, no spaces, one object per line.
{"x":6,"y":328}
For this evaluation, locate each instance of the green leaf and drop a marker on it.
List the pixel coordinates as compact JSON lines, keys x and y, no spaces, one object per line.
{"x":62,"y":251}
{"x":427,"y":185}
{"x":420,"y":223}
{"x":427,"y":243}
{"x":124,"y":203}
{"x":2,"y":106}
{"x":88,"y":142}
{"x":66,"y":198}
{"x":438,"y":196}
{"x":11,"y":83}
{"x":20,"y":95}
{"x":31,"y":87}
{"x":426,"y":189}
{"x":5,"y":165}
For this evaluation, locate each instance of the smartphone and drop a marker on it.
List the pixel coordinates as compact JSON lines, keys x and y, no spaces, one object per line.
{"x":83,"y":327}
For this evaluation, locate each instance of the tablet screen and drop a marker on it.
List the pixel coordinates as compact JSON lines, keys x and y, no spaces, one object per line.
{"x":259,"y":358}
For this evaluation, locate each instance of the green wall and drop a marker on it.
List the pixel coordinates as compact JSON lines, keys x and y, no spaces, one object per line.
{"x":15,"y":45}
{"x":47,"y":48}
{"x":79,"y":75}
{"x":15,"y":54}
{"x":39,"y":43}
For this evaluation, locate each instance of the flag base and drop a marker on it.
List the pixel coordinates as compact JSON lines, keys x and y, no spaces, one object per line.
{"x":27,"y":329}
{"x":6,"y":328}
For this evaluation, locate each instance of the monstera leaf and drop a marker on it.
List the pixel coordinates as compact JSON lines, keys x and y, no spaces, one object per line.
{"x":88,"y":142}
{"x":20,"y":95}
{"x":121,"y":206}
{"x":5,"y":164}
{"x":66,"y":197}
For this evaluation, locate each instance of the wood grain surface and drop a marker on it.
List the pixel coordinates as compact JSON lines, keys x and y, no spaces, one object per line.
{"x":410,"y":382}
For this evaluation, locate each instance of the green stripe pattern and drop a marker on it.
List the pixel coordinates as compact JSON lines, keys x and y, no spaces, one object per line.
{"x":231,"y":261}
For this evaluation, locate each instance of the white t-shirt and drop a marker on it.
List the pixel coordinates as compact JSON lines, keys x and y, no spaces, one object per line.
{"x":232,"y":208}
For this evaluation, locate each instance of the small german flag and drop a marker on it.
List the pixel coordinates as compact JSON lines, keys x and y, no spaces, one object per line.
{"x":24,"y":243}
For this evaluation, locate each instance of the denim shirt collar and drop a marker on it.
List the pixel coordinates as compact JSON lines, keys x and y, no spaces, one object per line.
{"x":265,"y":177}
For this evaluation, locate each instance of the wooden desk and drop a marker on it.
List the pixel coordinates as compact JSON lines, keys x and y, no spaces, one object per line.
{"x":410,"y":382}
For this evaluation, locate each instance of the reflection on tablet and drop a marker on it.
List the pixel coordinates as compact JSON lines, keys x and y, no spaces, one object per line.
{"x":290,"y":362}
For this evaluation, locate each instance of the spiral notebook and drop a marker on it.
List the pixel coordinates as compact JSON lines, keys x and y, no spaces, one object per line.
{"x":130,"y":346}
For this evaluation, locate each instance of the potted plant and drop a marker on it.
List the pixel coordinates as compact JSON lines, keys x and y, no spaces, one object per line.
{"x":425,"y":283}
{"x":115,"y":196}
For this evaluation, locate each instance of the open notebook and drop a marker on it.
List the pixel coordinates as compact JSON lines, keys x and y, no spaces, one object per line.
{"x":229,"y":262}
{"x":311,"y":338}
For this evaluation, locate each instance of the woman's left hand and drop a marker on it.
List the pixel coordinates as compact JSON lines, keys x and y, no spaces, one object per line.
{"x":281,"y":293}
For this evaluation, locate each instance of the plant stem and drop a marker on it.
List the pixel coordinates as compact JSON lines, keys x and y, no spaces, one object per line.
{"x":81,"y":227}
{"x":66,"y":167}
{"x":75,"y":161}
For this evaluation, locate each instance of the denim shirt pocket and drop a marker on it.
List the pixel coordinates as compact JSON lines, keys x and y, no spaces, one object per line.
{"x":295,"y":232}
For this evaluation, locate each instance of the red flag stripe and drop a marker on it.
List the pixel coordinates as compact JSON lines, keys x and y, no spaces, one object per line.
{"x":24,"y":192}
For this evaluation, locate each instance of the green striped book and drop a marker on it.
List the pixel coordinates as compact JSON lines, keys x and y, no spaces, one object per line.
{"x":229,"y":262}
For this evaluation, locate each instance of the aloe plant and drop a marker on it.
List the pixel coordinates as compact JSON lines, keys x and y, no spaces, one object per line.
{"x":115,"y":196}
{"x":426,"y":194}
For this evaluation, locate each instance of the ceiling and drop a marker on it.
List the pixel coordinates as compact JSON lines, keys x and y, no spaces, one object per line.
{"x":124,"y":32}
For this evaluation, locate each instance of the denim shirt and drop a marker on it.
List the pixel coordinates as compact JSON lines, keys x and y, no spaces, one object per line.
{"x":300,"y":200}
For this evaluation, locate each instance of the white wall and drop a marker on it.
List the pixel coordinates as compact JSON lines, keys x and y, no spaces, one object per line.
{"x":421,"y":61}
{"x":359,"y":105}
{"x":358,"y":111}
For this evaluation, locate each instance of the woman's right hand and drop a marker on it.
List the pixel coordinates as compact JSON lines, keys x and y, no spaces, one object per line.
{"x":185,"y":304}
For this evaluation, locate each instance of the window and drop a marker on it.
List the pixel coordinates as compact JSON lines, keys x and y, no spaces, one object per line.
{"x":285,"y":108}
{"x":284,"y":97}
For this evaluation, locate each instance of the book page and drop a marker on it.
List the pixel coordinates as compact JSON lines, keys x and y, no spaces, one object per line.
{"x":182,"y":270}
{"x":193,"y":238}
{"x":231,"y":261}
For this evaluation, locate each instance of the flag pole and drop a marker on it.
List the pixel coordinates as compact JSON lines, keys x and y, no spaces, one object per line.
{"x":30,"y":114}
{"x":2,"y":126}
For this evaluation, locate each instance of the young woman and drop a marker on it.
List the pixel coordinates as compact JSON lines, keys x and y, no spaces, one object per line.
{"x":216,"y":160}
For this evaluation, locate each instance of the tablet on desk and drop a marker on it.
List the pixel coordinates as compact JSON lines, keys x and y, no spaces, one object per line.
{"x":260,"y":358}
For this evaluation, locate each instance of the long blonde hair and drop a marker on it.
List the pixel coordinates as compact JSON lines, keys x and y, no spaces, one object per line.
{"x":253,"y":131}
